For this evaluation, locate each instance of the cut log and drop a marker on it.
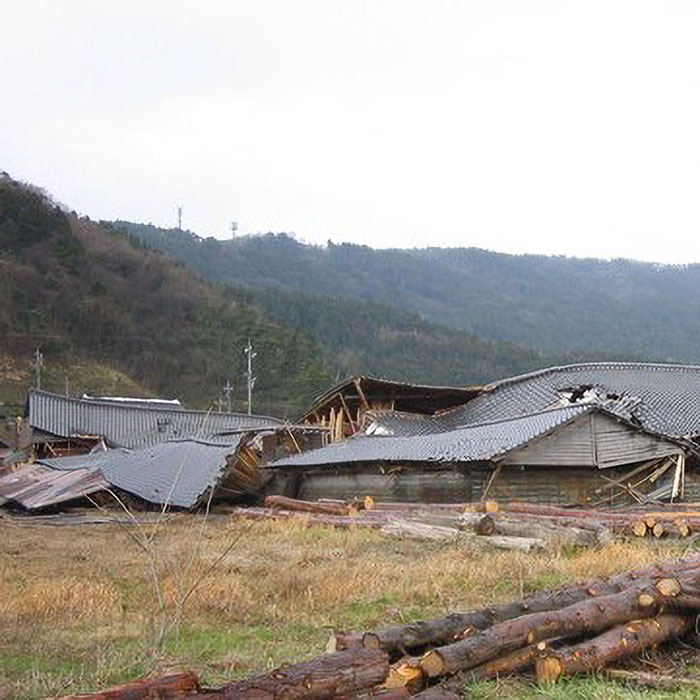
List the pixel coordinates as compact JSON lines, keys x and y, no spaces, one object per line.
{"x":339,"y":641}
{"x":422,"y":531}
{"x":401,"y":639}
{"x":510,"y":663}
{"x":295,"y":504}
{"x":168,"y":687}
{"x":638,"y":528}
{"x":342,"y":673}
{"x":406,"y":674}
{"x":497,"y":524}
{"x":586,"y":617}
{"x":517,"y":544}
{"x":617,"y":643}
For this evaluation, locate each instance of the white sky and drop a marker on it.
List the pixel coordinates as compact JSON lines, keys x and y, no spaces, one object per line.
{"x":519,"y":126}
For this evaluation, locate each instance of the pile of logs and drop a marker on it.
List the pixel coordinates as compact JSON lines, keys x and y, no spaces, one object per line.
{"x":551,"y":634}
{"x":516,"y":526}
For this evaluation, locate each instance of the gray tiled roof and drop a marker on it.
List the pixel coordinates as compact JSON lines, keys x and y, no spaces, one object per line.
{"x":475,"y":443}
{"x":664,"y":399}
{"x":131,"y":426}
{"x":178,"y":472}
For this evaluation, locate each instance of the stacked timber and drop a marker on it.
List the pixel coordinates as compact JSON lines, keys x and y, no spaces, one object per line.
{"x":551,"y":634}
{"x":517,"y":526}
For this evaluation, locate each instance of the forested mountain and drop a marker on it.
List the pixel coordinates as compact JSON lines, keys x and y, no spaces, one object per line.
{"x":553,"y":305}
{"x":85,"y":293}
{"x":112,"y":315}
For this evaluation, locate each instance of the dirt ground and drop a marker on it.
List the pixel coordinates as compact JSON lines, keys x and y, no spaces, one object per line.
{"x":85,"y":606}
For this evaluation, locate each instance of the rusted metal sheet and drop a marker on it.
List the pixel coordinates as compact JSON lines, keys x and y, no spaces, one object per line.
{"x":36,"y":486}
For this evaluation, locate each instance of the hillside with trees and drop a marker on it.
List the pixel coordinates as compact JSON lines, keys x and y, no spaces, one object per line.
{"x":85,"y":293}
{"x":553,"y":305}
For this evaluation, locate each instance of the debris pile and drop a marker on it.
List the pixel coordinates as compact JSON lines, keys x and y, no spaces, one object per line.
{"x":551,"y":634}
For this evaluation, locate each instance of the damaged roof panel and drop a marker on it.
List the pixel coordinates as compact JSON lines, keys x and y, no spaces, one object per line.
{"x":176,"y":473}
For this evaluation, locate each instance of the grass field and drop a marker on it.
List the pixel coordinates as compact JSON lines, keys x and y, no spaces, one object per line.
{"x":85,"y":606}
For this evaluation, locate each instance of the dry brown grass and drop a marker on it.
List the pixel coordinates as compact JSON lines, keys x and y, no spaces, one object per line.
{"x":88,"y":591}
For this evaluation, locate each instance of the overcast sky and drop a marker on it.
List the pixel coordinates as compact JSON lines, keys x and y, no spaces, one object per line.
{"x":519,"y":126}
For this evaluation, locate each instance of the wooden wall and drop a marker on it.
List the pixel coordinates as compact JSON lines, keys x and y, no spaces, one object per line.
{"x":444,"y":483}
{"x":592,"y":440}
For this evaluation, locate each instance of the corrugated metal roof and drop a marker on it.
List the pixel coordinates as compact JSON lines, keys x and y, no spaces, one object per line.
{"x":131,"y":426}
{"x":664,"y":399}
{"x":36,"y":486}
{"x":475,"y":443}
{"x":176,"y":473}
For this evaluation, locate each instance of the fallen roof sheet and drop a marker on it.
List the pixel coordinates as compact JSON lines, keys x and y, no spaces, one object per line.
{"x":176,"y":473}
{"x":664,"y":399}
{"x":37,"y":486}
{"x":131,"y":426}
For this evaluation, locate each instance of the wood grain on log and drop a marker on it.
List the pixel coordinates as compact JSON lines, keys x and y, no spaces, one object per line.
{"x":325,"y":677}
{"x":617,"y":643}
{"x":172,"y":686}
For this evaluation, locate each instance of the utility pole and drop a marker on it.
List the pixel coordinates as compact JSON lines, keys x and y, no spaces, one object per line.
{"x":227,"y":389}
{"x":38,"y":365}
{"x":234,"y":228}
{"x":248,"y":350}
{"x":179,"y":218}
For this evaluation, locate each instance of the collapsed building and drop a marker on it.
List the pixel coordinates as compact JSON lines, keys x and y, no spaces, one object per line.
{"x":153,"y":451}
{"x":594,"y":433}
